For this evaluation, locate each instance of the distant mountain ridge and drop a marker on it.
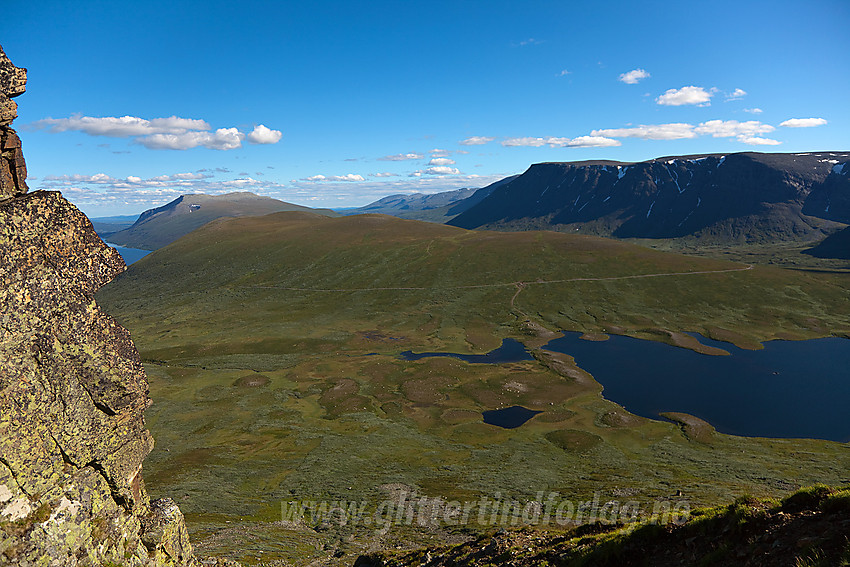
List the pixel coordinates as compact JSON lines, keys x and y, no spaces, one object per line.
{"x":734,"y":198}
{"x":435,"y":207}
{"x":163,"y":225}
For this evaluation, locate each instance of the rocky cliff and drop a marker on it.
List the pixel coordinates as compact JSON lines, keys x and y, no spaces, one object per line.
{"x":72,"y":389}
{"x":728,"y":199}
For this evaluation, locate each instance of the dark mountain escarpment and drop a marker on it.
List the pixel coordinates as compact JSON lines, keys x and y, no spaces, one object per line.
{"x":163,"y":225}
{"x":833,"y":246}
{"x":72,"y":396}
{"x":737,"y":198}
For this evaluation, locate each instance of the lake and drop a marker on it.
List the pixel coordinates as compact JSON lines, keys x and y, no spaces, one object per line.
{"x":793,"y":389}
{"x":130,"y":255}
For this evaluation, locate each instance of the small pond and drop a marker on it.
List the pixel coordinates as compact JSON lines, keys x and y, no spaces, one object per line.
{"x":509,"y":418}
{"x":510,"y":351}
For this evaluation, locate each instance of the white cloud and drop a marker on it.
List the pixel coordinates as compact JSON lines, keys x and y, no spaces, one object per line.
{"x":349,"y":177}
{"x":442,"y":170}
{"x":672,"y":131}
{"x":753,"y":110}
{"x":744,"y":131}
{"x":437,"y":170}
{"x":263,"y":135}
{"x":564,"y":73}
{"x":221,"y":139}
{"x":634,"y":76}
{"x":737,"y":94}
{"x":384,"y":174}
{"x":803,"y":122}
{"x":553,"y":142}
{"x":730,"y":128}
{"x":441,"y":161}
{"x":685,"y":95}
{"x":525,"y":141}
{"x":592,"y":142}
{"x":402,"y":157}
{"x":121,"y":127}
{"x":758,"y":141}
{"x":476,"y":141}
{"x":437,"y":152}
{"x":172,"y":133}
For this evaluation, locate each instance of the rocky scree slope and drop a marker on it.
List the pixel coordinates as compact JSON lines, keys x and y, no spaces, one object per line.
{"x":72,"y":389}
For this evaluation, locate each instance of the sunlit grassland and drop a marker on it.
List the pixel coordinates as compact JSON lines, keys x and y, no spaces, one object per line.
{"x":271,"y":348}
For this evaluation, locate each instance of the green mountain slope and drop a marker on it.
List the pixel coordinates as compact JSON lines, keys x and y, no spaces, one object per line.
{"x":157,"y":227}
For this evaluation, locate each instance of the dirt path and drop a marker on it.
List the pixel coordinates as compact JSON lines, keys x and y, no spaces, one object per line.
{"x":521,"y":284}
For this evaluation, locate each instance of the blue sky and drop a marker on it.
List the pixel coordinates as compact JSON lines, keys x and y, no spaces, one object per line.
{"x":130,"y":104}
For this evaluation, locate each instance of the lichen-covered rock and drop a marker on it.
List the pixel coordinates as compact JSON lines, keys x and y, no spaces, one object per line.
{"x":13,"y":80}
{"x":13,"y":170}
{"x":72,"y":395}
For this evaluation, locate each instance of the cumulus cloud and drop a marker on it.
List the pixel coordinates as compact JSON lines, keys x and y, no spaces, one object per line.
{"x":172,"y":133}
{"x":441,"y":161}
{"x":803,"y":122}
{"x":348,"y":177}
{"x":436,"y":170}
{"x":121,"y":127}
{"x":437,"y":152}
{"x":442,"y":170}
{"x":221,"y":139}
{"x":402,"y":157}
{"x":525,"y":141}
{"x":57,"y":181}
{"x":263,"y":135}
{"x":686,"y":95}
{"x":595,"y":141}
{"x":730,"y":128}
{"x":592,"y":142}
{"x":384,"y":174}
{"x":753,"y":110}
{"x":634,"y":76}
{"x":758,"y":141}
{"x":672,"y":131}
{"x":476,"y":141}
{"x":745,"y":132}
{"x":737,"y":94}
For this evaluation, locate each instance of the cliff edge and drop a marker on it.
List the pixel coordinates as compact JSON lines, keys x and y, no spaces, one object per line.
{"x":72,"y":388}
